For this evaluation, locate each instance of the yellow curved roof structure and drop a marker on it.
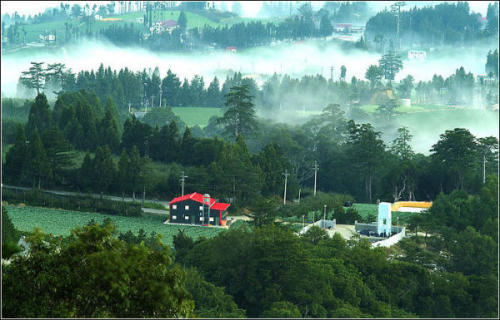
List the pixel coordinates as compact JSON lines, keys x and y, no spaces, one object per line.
{"x":412,"y":204}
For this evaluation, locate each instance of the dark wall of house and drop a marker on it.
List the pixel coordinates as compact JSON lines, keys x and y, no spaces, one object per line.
{"x":193,"y":213}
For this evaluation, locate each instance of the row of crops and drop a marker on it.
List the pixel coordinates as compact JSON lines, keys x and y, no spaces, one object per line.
{"x":60,"y":222}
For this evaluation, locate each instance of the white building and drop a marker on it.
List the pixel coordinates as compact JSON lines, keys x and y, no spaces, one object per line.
{"x":417,"y":54}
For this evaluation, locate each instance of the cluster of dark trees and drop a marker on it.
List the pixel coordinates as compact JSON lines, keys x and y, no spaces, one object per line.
{"x":491,"y":67}
{"x":442,"y":24}
{"x":353,"y":158}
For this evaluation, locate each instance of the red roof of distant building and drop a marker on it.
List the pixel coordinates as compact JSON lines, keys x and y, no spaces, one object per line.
{"x":230,"y":48}
{"x":198,"y":197}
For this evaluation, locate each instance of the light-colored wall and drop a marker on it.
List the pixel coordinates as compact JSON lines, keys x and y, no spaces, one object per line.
{"x":391,"y":240}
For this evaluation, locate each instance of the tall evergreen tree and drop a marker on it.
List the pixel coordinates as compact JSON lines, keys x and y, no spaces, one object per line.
{"x":104,"y":169}
{"x":391,"y":64}
{"x":239,"y":116}
{"x":16,"y":159}
{"x":38,"y":164}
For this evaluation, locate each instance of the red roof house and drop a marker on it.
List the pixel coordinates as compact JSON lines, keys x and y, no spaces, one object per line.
{"x":197,"y":209}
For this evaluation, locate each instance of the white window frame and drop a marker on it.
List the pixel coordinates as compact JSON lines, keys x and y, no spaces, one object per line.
{"x":186,"y":207}
{"x":174,"y":207}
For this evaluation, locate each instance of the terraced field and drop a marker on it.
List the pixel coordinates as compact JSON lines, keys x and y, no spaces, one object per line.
{"x":60,"y":222}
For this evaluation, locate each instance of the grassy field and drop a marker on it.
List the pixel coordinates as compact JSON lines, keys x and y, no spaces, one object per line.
{"x":60,"y":222}
{"x":196,"y":116}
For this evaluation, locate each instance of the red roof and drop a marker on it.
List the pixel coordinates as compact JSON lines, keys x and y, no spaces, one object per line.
{"x":220,"y":206}
{"x":198,"y":197}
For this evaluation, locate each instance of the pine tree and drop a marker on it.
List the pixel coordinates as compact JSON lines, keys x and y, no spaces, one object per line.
{"x":239,"y":116}
{"x":38,"y":163}
{"x":59,"y":152}
{"x":104,"y":169}
{"x":108,"y":128}
{"x":39,"y":116}
{"x":123,"y":178}
{"x":16,"y":158}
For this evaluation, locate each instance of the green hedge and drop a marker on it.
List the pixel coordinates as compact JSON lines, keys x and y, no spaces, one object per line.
{"x":36,"y":197}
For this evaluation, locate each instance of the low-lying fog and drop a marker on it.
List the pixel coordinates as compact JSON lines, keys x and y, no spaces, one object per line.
{"x":296,"y":59}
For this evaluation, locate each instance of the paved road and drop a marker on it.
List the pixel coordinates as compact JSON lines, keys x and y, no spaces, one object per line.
{"x":105,"y":196}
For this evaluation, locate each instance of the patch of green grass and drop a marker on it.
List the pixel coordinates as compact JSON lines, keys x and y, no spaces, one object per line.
{"x":365,"y":209}
{"x":60,"y":222}
{"x":369,"y":108}
{"x":196,"y":116}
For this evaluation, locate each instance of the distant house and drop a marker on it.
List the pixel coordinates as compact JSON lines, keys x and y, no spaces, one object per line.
{"x":416,"y":55}
{"x":197,"y":209}
{"x":48,"y":38}
{"x":164,"y":26}
{"x":231,"y":49}
{"x":343,"y":27}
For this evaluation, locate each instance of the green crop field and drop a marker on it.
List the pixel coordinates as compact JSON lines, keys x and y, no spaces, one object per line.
{"x":60,"y":222}
{"x":196,"y":116}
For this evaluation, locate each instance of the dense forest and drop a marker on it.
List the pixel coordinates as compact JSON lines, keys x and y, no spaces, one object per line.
{"x":236,"y":166}
{"x":146,"y":88}
{"x":432,"y":26}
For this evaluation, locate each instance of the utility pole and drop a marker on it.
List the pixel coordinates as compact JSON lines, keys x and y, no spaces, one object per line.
{"x":299,"y":194}
{"x":484,"y":168}
{"x":129,"y":107}
{"x":183,"y":179}
{"x":286,"y":174}
{"x":160,"y":95}
{"x":324,"y":216}
{"x":315,"y":168}
{"x":396,"y":9}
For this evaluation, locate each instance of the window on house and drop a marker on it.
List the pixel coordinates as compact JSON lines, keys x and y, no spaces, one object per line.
{"x":186,"y":207}
{"x":174,"y":207}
